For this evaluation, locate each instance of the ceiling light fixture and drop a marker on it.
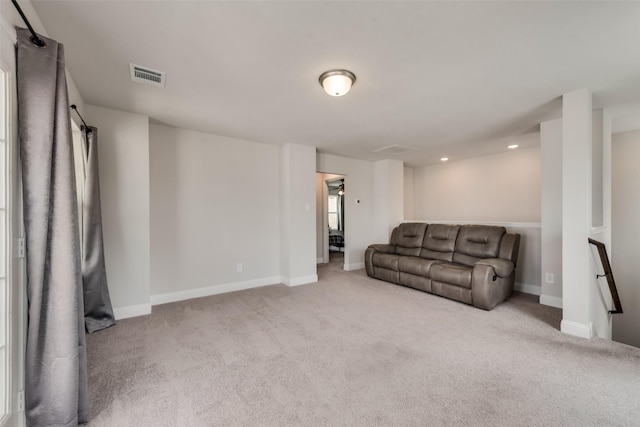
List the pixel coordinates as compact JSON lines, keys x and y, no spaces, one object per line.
{"x":444,"y":159}
{"x":512,"y":146}
{"x":337,"y":82}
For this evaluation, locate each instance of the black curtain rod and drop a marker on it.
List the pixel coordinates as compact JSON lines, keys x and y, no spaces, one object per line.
{"x":35,"y":39}
{"x":87,"y":128}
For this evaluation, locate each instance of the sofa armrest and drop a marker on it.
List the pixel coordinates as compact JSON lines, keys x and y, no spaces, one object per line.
{"x":501,"y":267}
{"x":491,"y":282}
{"x":373,"y":249}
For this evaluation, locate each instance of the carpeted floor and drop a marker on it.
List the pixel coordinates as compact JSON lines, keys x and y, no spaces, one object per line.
{"x":354,"y":351}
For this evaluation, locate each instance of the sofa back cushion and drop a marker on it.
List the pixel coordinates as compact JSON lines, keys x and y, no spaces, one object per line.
{"x":439,"y":242}
{"x":476,"y":242}
{"x":407,"y":238}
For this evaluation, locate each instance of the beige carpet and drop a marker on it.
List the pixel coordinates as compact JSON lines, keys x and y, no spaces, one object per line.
{"x":353,"y":351}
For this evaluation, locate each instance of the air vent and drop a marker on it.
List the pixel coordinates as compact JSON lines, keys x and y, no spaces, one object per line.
{"x":147,"y":75}
{"x":395,"y":150}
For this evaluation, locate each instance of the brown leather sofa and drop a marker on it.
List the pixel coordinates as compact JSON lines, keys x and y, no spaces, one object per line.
{"x":474,"y":264}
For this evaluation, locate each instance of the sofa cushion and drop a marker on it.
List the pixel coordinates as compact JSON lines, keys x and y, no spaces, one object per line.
{"x":453,"y":292}
{"x":475,"y":242}
{"x":439,"y":242}
{"x":416,"y":282}
{"x":454,"y":274}
{"x":408,"y":238}
{"x":415,"y":265}
{"x":388,"y":261}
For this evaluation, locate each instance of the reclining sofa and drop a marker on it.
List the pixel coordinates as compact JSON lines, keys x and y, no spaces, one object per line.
{"x":474,"y":264}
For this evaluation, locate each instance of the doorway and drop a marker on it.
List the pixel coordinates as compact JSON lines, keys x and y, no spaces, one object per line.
{"x":335,"y":218}
{"x":331,"y":226}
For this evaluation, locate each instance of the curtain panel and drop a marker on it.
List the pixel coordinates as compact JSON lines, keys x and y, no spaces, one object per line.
{"x":98,"y":312}
{"x":55,"y":366}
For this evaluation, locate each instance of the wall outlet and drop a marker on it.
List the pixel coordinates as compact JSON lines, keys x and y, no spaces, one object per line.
{"x":549,"y":278}
{"x":239,"y":267}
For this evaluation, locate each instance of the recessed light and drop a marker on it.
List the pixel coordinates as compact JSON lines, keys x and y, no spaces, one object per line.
{"x":512,"y":146}
{"x":444,"y":159}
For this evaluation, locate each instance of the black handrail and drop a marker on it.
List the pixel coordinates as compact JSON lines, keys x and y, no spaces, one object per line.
{"x":604,"y":258}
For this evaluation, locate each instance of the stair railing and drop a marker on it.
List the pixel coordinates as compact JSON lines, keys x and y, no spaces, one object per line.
{"x":604,"y":258}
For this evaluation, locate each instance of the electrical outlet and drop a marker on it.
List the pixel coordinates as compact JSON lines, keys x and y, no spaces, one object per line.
{"x":549,"y":278}
{"x":239,"y":267}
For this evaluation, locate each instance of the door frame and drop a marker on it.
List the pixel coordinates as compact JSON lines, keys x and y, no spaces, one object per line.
{"x":14,"y":256}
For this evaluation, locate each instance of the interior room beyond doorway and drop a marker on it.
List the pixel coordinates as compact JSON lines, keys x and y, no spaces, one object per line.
{"x":331,"y":217}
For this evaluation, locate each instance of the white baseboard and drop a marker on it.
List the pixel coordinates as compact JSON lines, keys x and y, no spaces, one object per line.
{"x":551,"y":301}
{"x":354,"y":266}
{"x":320,"y":260}
{"x":132,"y":311}
{"x":297,"y":281}
{"x":577,"y":329}
{"x":528,"y":289}
{"x":213,"y":290}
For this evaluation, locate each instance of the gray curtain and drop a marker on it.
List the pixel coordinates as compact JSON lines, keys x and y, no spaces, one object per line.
{"x":340,"y":205}
{"x":98,"y":313}
{"x":55,"y":366}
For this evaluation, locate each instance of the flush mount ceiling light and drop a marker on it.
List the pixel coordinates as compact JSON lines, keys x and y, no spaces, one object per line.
{"x":512,"y":146}
{"x":337,"y":82}
{"x":444,"y":159}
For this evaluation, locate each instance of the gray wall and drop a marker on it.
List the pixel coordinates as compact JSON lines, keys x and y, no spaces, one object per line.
{"x":625,"y":251}
{"x":215,"y":203}
{"x":123,"y":140}
{"x":501,"y":189}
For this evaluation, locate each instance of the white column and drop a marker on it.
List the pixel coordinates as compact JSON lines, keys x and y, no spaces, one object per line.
{"x":298,"y":220}
{"x":600,"y":297}
{"x":576,"y":212}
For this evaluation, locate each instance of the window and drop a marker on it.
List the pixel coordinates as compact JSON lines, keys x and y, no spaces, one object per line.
{"x":333,"y":212}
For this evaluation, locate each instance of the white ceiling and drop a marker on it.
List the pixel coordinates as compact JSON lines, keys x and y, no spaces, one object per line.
{"x":449,"y":78}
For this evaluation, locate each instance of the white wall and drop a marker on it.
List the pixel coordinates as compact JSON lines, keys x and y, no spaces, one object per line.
{"x":123,"y":146}
{"x":502,"y":187}
{"x":626,"y":234}
{"x":409,"y":193}
{"x":359,"y":203}
{"x":388,"y":184}
{"x":215,"y":202}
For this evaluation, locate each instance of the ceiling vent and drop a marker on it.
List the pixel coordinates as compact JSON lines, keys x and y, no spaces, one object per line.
{"x":147,"y":75}
{"x":395,"y":150}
